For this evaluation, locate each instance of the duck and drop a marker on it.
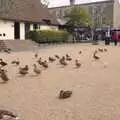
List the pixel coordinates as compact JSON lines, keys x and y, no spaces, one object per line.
{"x":67,"y":55}
{"x":78,"y":65}
{"x":36,"y":55}
{"x":26,"y":68}
{"x":8,"y":113}
{"x":15,"y":62}
{"x":4,"y":76}
{"x":95,"y":56}
{"x":36,"y":70}
{"x":40,"y":61}
{"x":57,"y":56}
{"x":2,"y":63}
{"x":68,"y":58}
{"x":65,"y":94}
{"x":44,"y":64}
{"x":23,"y":72}
{"x":62,"y":59}
{"x":64,"y":63}
{"x":51,"y":59}
{"x":80,"y":52}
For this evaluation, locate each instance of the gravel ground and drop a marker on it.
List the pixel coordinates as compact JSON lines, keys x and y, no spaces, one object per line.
{"x":95,"y":86}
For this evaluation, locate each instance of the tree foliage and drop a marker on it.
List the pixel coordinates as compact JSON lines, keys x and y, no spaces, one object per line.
{"x":78,"y":16}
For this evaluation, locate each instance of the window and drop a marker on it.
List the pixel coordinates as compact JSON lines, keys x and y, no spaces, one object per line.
{"x":35,"y":26}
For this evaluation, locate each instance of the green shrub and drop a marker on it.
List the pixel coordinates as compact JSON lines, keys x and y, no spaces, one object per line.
{"x":48,"y":36}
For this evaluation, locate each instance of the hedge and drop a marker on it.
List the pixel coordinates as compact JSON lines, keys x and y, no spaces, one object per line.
{"x":48,"y":36}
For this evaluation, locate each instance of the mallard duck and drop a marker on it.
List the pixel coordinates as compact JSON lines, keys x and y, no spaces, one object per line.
{"x":36,"y":55}
{"x":44,"y":64}
{"x":4,"y":76}
{"x":62,"y":59}
{"x":95,"y":56}
{"x":36,"y":70}
{"x":65,"y":94}
{"x":23,"y":72}
{"x":67,"y":55}
{"x":26,"y":68}
{"x":8,"y":113}
{"x":40,"y":61}
{"x":64,"y":63}
{"x":15,"y":62}
{"x":57,"y":56}
{"x":2,"y":63}
{"x":77,"y":64}
{"x":80,"y":52}
{"x":68,"y":58}
{"x":51,"y":59}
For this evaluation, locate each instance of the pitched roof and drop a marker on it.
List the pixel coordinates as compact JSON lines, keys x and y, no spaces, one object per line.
{"x":27,"y":10}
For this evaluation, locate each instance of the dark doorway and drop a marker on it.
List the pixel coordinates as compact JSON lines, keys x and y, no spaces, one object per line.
{"x":27,"y":29}
{"x":17,"y":30}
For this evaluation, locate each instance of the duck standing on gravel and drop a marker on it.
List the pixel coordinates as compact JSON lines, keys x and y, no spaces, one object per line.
{"x":7,"y":113}
{"x":57,"y":56}
{"x":36,"y":70}
{"x":95,"y":56}
{"x":51,"y":59}
{"x":2,"y":63}
{"x":77,"y":64}
{"x":3,"y":75}
{"x":65,"y":94}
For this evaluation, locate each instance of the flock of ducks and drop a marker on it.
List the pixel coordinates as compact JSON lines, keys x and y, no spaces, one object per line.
{"x":44,"y":63}
{"x":64,"y":60}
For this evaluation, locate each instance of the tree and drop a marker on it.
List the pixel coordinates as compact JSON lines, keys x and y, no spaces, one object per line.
{"x":45,"y":3}
{"x":78,"y":16}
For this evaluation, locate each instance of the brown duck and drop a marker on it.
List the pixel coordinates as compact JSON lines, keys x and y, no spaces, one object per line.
{"x":77,"y":64}
{"x":65,"y":94}
{"x":36,"y":55}
{"x":44,"y":64}
{"x":4,"y":76}
{"x":57,"y":56}
{"x":26,"y":68}
{"x":68,"y":58}
{"x":51,"y":59}
{"x":95,"y":56}
{"x":36,"y":70}
{"x":80,"y":52}
{"x":2,"y":63}
{"x":8,"y":113}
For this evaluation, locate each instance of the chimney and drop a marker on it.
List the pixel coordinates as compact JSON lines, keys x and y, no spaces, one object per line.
{"x":72,"y":2}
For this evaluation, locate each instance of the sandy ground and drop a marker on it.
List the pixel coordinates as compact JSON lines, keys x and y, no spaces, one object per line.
{"x":95,"y":86}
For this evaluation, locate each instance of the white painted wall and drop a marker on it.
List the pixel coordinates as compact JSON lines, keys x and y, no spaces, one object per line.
{"x":46,"y":27}
{"x":31,"y":26}
{"x":22,"y":31}
{"x":6,"y":27}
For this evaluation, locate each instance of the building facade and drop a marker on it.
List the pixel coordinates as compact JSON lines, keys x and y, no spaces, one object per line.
{"x":17,"y":17}
{"x":102,"y":14}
